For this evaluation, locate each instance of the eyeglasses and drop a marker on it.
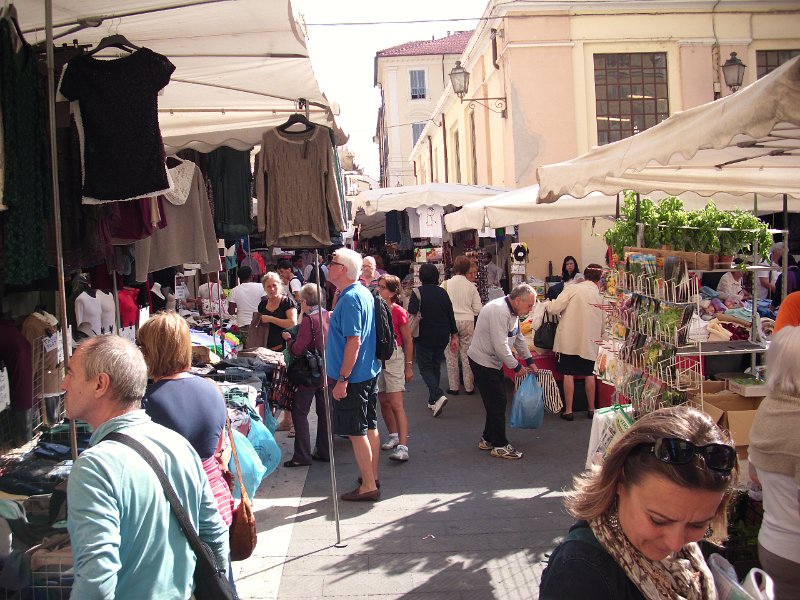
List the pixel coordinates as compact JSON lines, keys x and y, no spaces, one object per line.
{"x":333,"y":262}
{"x":675,"y":451}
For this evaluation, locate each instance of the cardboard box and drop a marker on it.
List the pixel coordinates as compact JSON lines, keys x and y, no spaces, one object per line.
{"x":748,"y":387}
{"x":733,"y":412}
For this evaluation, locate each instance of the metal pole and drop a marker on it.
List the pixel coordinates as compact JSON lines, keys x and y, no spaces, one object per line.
{"x":328,"y":407}
{"x":115,"y":292}
{"x":62,"y":291}
{"x":785,"y":258}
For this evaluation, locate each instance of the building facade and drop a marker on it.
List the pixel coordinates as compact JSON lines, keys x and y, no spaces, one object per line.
{"x":549,"y":80}
{"x":411,"y":78}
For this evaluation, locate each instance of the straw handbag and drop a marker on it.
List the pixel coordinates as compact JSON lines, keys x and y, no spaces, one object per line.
{"x":242,"y":532}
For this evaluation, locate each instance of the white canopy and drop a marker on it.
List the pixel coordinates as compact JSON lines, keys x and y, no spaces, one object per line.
{"x":748,"y":142}
{"x":240,"y":65}
{"x":429,"y":194}
{"x":521,"y":206}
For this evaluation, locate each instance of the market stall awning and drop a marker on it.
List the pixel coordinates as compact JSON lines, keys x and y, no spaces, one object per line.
{"x":748,"y":142}
{"x":522,"y":206}
{"x":429,"y":194}
{"x":241,"y":66}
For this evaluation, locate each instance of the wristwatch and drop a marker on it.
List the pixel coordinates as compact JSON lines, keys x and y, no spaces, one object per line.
{"x":344,"y":378}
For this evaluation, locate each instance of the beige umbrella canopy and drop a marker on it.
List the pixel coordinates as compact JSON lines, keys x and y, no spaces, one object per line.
{"x":748,"y":142}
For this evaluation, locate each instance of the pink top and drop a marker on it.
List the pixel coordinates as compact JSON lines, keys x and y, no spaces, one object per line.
{"x":399,"y":318}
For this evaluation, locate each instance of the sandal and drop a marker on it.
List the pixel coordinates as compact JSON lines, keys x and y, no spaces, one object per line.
{"x":293,"y":463}
{"x":291,"y":432}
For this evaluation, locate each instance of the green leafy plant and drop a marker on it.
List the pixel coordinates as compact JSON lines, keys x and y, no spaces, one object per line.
{"x":623,"y":232}
{"x":672,"y":220}
{"x":702,"y":237}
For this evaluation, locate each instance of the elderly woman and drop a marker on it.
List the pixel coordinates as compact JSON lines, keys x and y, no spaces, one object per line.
{"x":775,"y":464}
{"x":397,"y":370}
{"x":191,"y":405}
{"x":580,"y":326}
{"x":309,"y":336}
{"x":662,"y":487}
{"x":466,"y":306}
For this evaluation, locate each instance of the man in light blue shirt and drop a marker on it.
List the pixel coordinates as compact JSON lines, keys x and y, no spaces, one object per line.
{"x":351,"y":363}
{"x":126,"y":541}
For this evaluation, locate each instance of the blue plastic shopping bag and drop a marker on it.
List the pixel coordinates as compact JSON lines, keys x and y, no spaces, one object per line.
{"x":527,"y":409}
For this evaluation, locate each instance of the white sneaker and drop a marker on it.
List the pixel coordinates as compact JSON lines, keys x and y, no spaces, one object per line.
{"x":439,"y":406}
{"x":400,"y":454}
{"x":506,"y":452}
{"x":391,"y":442}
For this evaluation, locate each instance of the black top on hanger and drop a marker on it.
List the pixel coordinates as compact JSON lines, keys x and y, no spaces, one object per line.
{"x":296,"y":119}
{"x":114,"y":41}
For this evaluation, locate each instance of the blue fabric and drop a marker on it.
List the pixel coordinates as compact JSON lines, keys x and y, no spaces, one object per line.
{"x":126,"y":543}
{"x":527,"y":409}
{"x":191,"y":406}
{"x":253,"y":470}
{"x":354,"y":316}
{"x":264,"y":444}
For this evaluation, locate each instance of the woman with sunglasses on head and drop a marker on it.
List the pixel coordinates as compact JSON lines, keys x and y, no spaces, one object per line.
{"x":396,"y":372}
{"x":775,"y":464}
{"x":663,"y":486}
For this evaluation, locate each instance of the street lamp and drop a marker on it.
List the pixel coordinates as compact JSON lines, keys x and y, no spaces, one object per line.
{"x":459,"y":79}
{"x":733,"y":72}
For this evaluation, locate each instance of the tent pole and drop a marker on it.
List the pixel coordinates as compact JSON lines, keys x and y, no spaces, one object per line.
{"x":785,"y":257}
{"x":328,"y":407}
{"x":62,"y":291}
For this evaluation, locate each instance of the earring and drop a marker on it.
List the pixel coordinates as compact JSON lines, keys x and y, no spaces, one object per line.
{"x":613,"y":517}
{"x":709,"y":532}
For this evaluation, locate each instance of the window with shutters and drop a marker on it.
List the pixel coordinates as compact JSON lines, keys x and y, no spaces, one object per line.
{"x":417,"y":81}
{"x":416,"y":131}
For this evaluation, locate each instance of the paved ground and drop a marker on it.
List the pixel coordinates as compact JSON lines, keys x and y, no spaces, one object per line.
{"x":452,"y":523}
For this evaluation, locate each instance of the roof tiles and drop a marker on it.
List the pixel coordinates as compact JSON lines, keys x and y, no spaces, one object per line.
{"x":452,"y":44}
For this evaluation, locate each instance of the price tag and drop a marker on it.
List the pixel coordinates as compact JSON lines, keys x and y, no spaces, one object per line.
{"x":129,"y":333}
{"x":60,"y":345}
{"x":50,"y":343}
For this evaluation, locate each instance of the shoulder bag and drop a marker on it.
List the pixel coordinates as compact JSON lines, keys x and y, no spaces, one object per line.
{"x":210,"y":582}
{"x":306,"y":369}
{"x":243,"y":536}
{"x":415,"y":320}
{"x":545,"y":336}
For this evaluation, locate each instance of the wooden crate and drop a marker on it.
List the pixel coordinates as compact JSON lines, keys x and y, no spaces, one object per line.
{"x":694,"y":260}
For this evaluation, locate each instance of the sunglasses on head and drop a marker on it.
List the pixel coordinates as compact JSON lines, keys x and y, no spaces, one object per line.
{"x":675,"y":451}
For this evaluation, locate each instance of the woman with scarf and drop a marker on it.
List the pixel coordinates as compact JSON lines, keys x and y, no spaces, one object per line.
{"x":775,"y":464}
{"x":663,"y":486}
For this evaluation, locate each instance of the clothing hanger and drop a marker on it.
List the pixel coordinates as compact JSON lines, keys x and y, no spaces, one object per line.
{"x":114,"y":41}
{"x":296,"y":119}
{"x":10,"y":14}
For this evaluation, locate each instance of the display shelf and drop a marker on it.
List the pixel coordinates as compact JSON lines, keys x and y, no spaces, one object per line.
{"x":723,"y":348}
{"x":749,"y":268}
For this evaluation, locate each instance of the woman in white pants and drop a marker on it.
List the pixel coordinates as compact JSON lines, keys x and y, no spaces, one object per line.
{"x":466,"y":306}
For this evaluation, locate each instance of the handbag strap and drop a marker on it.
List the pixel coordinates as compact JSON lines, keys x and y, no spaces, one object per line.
{"x":311,"y":324}
{"x":180,"y":513}
{"x":245,"y":497}
{"x":419,"y":300}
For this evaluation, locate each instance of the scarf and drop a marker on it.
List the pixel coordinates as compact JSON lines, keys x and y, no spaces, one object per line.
{"x":682,"y":576}
{"x":774,"y":443}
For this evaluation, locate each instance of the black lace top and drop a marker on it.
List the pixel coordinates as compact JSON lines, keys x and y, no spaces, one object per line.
{"x":123,"y":149}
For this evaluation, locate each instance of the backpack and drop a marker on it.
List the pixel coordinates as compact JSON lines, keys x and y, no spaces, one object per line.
{"x":384,"y":331}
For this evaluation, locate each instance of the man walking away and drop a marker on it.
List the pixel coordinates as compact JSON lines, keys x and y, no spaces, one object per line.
{"x":352,"y":370}
{"x":498,"y":325}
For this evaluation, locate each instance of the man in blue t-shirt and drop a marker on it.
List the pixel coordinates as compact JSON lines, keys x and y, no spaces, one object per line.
{"x":352,"y":365}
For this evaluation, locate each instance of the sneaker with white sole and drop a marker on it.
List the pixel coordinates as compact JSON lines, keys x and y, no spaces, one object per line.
{"x":391,"y":442}
{"x":506,"y":452}
{"x":484,"y":445}
{"x":400,"y":453}
{"x":439,"y":406}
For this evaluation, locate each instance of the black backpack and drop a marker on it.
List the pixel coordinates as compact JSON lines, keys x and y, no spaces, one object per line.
{"x":384,"y":331}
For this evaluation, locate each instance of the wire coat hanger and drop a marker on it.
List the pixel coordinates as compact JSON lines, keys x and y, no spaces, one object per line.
{"x":115,"y":40}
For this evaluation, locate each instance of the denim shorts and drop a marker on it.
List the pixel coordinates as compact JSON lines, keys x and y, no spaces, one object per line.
{"x":358,"y":410}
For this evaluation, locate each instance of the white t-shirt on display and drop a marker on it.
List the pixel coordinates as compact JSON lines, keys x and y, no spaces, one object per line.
{"x":430,"y":221}
{"x":246,"y":296}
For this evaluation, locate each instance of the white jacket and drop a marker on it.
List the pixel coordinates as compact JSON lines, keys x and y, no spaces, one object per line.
{"x":581,"y":323}
{"x":464,"y":296}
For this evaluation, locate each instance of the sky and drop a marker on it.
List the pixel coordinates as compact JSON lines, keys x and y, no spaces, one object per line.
{"x":343,"y":55}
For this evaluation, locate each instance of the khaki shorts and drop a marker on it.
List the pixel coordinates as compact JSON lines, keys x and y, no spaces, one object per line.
{"x":392,"y":377}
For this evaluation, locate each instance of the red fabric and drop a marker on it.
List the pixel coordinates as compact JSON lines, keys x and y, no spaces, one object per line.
{"x":220,"y":489}
{"x":128,"y":309}
{"x":399,"y":318}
